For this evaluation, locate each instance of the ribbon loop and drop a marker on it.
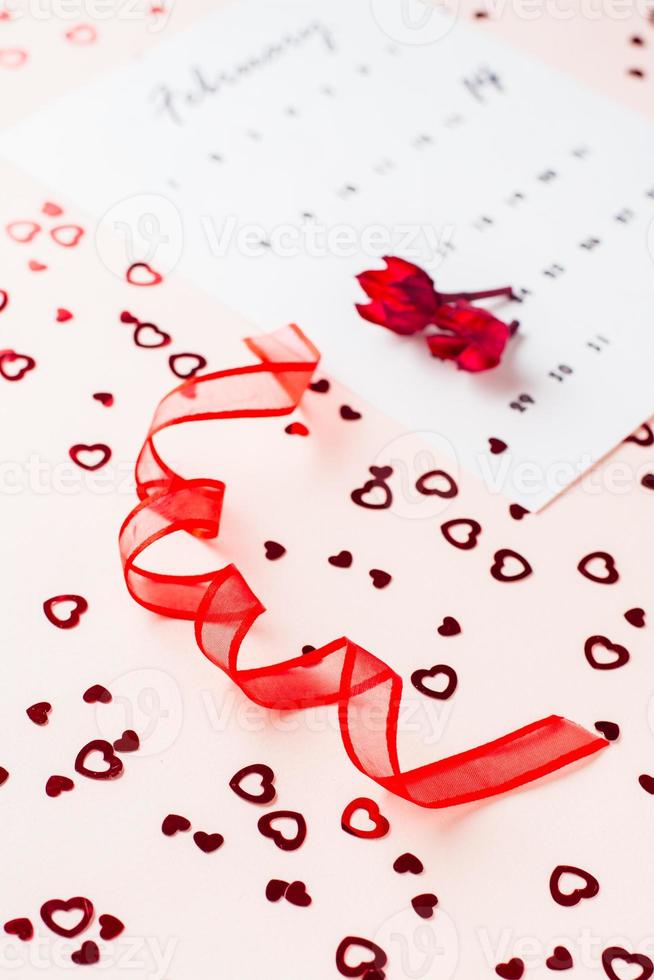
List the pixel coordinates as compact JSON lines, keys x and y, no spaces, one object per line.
{"x":341,"y":673}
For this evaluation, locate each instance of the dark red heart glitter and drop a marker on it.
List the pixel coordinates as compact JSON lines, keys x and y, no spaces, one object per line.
{"x":38,"y":713}
{"x":274,"y":550}
{"x":342,"y":560}
{"x":106,"y":749}
{"x":589,"y":889}
{"x":608,"y":576}
{"x":560,"y":959}
{"x":449,"y":627}
{"x":376,"y":961}
{"x":297,"y":894}
{"x":614,"y":953}
{"x":267,"y":829}
{"x":110,"y":927}
{"x":621,"y":653}
{"x":22,"y":928}
{"x":90,"y":457}
{"x":424,"y":905}
{"x":97,"y":693}
{"x":408,"y":864}
{"x":57,"y":785}
{"x":128,"y":742}
{"x":472,"y":530}
{"x":174,"y":823}
{"x":512,"y":970}
{"x":635,"y":617}
{"x":296,"y":429}
{"x":380,"y":579}
{"x":380,"y":825}
{"x":445,"y":486}
{"x":80,"y":605}
{"x":54,"y":905}
{"x":266,"y":794}
{"x":418,"y":678}
{"x":87,"y":955}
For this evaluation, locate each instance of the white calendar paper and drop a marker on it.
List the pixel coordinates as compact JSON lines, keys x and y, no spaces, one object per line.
{"x":276,"y":150}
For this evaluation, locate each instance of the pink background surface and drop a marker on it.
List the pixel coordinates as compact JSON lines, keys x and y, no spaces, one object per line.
{"x":519,"y":657}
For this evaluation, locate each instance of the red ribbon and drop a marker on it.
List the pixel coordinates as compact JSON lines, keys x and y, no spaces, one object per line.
{"x":224,"y":607}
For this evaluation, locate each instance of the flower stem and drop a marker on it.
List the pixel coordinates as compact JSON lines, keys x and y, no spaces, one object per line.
{"x":483,"y":294}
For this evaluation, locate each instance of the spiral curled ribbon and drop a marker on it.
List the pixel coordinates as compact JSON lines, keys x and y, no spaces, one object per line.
{"x":224,"y":607}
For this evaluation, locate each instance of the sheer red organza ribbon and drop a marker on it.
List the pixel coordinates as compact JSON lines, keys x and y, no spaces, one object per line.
{"x":224,"y":607}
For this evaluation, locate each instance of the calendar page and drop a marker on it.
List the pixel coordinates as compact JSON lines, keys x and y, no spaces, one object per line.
{"x":275,"y":150}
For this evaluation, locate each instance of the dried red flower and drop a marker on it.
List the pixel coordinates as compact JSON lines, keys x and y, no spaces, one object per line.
{"x":403,"y":299}
{"x":475,"y":339}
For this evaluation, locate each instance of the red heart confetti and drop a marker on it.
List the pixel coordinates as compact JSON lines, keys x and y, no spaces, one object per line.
{"x":471,"y":528}
{"x":110,"y":927}
{"x":342,"y":560}
{"x":267,"y":791}
{"x":142,"y":274}
{"x":87,"y":955}
{"x":173,"y":823}
{"x":591,"y":645}
{"x":23,"y":232}
{"x":63,"y":315}
{"x":297,"y":894}
{"x":512,"y":970}
{"x":418,"y":678}
{"x":380,"y":578}
{"x":14,"y":366}
{"x":437,"y":483}
{"x":92,"y":457}
{"x":449,"y":627}
{"x":267,"y":829}
{"x":408,"y":864}
{"x":589,"y":889}
{"x":606,"y":576}
{"x":208,"y":842}
{"x":57,"y":785}
{"x":348,"y":969}
{"x":560,"y":959}
{"x":82,"y":34}
{"x":97,"y":693}
{"x":22,"y":928}
{"x":608,"y":729}
{"x":615,"y":953}
{"x":105,"y":398}
{"x":507,"y":556}
{"x":424,"y":905}
{"x":297,"y":429}
{"x":38,"y":713}
{"x":79,"y":604}
{"x":128,"y":742}
{"x":50,"y":908}
{"x":186,"y":365}
{"x":380,"y":825}
{"x":635,"y":617}
{"x":274,"y":550}
{"x":68,"y":236}
{"x":106,"y":749}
